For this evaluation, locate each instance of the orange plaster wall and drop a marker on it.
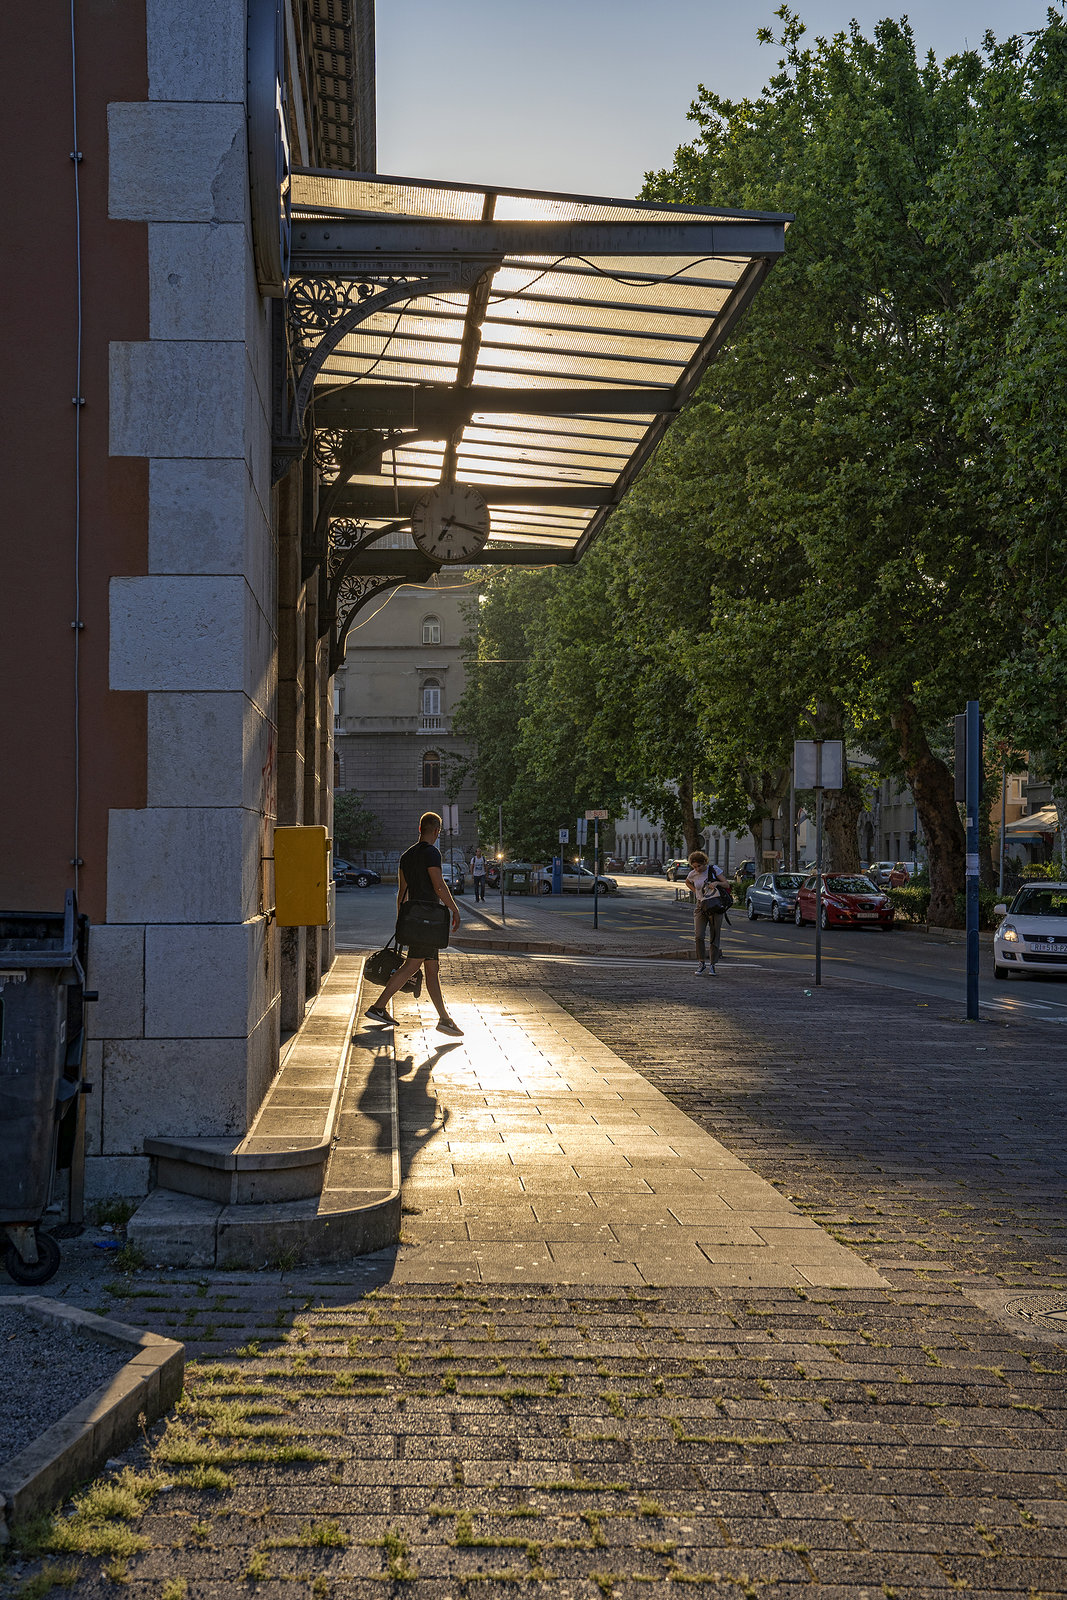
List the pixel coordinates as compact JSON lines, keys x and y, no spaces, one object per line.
{"x":37,"y":381}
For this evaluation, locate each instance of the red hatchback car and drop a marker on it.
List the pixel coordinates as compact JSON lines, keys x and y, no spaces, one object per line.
{"x":848,"y":901}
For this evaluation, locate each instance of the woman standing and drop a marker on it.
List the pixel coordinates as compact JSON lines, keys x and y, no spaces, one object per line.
{"x":703,"y":879}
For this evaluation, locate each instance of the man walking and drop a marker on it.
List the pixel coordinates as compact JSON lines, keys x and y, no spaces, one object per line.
{"x":478,"y":872}
{"x":420,"y":879}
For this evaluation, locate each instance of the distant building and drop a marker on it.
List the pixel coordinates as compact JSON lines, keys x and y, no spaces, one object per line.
{"x":394,"y":698}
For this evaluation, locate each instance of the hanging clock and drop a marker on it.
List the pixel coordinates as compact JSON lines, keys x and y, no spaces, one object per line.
{"x":450,"y":522}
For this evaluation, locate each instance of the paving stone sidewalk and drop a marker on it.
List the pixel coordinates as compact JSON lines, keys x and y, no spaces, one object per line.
{"x":348,"y":1430}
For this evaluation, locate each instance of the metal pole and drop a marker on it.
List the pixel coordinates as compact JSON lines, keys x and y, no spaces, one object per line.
{"x":596,"y":871}
{"x":792,"y":867}
{"x":818,"y":863}
{"x":500,"y":859}
{"x":974,"y":781}
{"x":1003,"y":827}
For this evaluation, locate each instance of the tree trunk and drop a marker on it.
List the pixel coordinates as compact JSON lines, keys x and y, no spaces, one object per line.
{"x":841,"y":810}
{"x":1059,"y":800}
{"x":933,"y":786}
{"x":690,"y":825}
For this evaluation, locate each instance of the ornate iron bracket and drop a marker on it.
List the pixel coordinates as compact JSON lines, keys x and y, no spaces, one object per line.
{"x":353,"y":594}
{"x":321,"y":312}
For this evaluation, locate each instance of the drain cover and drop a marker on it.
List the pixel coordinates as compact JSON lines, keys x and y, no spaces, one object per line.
{"x":1046,"y":1310}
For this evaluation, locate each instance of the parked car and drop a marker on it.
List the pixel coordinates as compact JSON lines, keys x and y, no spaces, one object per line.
{"x":774,"y":895}
{"x":1032,"y":937}
{"x":346,"y":873}
{"x":677,"y":871}
{"x":744,"y":870}
{"x":889,"y":874}
{"x":640,"y":864}
{"x":577,"y":879}
{"x":849,"y":900}
{"x":492,"y":873}
{"x":453,"y":876}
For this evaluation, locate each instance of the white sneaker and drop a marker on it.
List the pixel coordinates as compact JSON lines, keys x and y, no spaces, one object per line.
{"x":699,"y":970}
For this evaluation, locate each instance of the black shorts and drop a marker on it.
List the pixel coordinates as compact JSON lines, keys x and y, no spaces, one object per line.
{"x":423,"y":952}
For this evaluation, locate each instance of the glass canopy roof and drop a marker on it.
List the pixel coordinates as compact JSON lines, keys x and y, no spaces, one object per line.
{"x":523,"y":296}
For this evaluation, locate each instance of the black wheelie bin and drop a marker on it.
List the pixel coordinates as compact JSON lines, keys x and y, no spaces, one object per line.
{"x":42,"y":1050}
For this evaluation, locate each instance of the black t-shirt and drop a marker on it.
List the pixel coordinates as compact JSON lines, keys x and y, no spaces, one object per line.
{"x":415,"y":864}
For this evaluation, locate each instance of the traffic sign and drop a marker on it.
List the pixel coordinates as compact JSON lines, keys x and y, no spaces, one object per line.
{"x":564,"y":836}
{"x":818,"y":763}
{"x":597,"y":816}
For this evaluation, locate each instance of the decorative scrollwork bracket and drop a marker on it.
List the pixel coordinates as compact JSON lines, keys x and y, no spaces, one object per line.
{"x":321,"y":312}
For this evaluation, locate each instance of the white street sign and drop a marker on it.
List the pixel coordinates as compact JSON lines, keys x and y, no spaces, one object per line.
{"x":819,"y":763}
{"x":564,"y":836}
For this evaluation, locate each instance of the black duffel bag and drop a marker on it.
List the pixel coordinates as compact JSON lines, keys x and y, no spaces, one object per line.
{"x":380,"y":967}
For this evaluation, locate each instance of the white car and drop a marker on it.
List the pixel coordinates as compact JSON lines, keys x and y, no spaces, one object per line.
{"x":1032,"y":937}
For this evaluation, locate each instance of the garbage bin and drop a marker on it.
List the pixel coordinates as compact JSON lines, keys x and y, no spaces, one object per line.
{"x":518,"y":877}
{"x":42,"y":1050}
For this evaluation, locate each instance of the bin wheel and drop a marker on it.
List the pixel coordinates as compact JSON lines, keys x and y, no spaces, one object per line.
{"x":45,"y":1267}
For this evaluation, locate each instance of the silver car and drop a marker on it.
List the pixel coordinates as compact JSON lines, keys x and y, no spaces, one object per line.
{"x":774,"y":895}
{"x":576,"y":880}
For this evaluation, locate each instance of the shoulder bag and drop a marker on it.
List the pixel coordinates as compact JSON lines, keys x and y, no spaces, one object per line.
{"x":419,"y":922}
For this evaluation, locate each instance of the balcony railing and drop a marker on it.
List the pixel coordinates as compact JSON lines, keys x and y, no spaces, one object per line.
{"x":429,"y":724}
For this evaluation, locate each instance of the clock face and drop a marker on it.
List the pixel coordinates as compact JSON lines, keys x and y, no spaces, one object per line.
{"x":450,"y":522}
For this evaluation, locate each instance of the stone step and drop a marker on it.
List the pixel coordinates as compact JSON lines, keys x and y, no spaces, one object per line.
{"x":355,"y":1206}
{"x":283,"y":1155}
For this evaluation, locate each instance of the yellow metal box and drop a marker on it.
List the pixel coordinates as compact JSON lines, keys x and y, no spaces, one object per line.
{"x":302,"y":877}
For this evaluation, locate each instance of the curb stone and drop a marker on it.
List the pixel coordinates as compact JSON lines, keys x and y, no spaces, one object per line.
{"x":76,"y":1446}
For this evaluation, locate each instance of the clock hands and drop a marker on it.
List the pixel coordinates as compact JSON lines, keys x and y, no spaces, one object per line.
{"x":468,"y":527}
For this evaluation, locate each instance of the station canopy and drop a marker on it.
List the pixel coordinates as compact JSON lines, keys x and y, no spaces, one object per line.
{"x":547,"y":341}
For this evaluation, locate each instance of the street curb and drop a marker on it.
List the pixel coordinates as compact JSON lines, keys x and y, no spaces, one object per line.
{"x":75,"y":1447}
{"x":957,"y":936}
{"x":545,"y":947}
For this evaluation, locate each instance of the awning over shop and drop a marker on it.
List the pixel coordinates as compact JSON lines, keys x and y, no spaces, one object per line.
{"x":1035,"y":825}
{"x":534,"y":346}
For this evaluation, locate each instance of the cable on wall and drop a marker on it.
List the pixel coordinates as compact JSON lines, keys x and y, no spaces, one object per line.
{"x":78,"y":401}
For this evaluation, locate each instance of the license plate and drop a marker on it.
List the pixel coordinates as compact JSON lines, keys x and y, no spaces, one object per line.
{"x":866,"y":913}
{"x":1057,"y":949}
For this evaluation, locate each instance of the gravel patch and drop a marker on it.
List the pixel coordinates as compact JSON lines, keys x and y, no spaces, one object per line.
{"x":45,"y":1368}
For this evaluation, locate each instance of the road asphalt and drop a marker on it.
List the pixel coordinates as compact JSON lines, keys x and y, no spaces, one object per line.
{"x":725,"y":1284}
{"x":645,"y":916}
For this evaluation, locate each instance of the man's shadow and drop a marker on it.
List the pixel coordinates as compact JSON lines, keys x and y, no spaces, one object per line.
{"x":422,"y":1116}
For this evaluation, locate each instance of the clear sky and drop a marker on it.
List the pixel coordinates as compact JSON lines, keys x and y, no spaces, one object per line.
{"x":588,"y":95}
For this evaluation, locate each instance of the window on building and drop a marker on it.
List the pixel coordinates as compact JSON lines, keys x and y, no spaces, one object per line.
{"x":431,"y":770}
{"x":431,"y":698}
{"x":431,"y":630}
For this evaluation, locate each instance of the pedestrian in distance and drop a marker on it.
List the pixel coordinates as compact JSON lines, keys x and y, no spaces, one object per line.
{"x":420,"y":879}
{"x":703,"y":878}
{"x":478,"y":873}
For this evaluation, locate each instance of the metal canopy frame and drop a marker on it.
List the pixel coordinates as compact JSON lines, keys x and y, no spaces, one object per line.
{"x":535,"y":345}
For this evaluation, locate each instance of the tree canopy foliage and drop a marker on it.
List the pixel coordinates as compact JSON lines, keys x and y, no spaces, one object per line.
{"x":859,"y":523}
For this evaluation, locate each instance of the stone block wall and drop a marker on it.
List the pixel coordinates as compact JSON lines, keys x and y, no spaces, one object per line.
{"x":186,"y":1033}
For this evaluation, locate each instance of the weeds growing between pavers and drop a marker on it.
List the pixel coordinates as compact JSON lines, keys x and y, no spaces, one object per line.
{"x":296,"y":1465}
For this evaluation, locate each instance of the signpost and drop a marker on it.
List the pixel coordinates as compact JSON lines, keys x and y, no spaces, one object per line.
{"x":596,"y":818}
{"x":500,"y":859}
{"x":818,"y":764}
{"x":968,"y":789}
{"x":451,"y":822}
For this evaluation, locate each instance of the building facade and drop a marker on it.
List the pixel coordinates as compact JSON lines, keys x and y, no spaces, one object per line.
{"x":161,"y":617}
{"x":394,"y":699}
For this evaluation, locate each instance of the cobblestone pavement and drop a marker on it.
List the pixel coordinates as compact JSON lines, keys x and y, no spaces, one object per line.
{"x":344,"y":1434}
